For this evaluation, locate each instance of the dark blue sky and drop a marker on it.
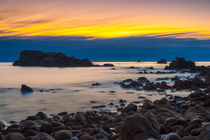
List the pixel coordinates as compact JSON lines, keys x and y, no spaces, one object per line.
{"x":115,"y":49}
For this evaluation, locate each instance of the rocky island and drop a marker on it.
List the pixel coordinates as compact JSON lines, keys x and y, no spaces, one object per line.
{"x":50,"y":59}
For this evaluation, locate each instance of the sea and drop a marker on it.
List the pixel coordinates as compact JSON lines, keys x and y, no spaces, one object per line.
{"x":71,"y":90}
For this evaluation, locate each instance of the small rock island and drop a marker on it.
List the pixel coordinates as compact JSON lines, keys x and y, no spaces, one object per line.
{"x":50,"y":59}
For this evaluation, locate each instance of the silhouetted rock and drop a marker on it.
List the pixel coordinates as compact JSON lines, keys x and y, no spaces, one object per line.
{"x":51,"y":59}
{"x":108,"y":65}
{"x":180,"y":63}
{"x":25,"y":88}
{"x":162,"y":61}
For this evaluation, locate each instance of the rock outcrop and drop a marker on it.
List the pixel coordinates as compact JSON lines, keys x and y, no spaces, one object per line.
{"x":180,"y":63}
{"x":50,"y":59}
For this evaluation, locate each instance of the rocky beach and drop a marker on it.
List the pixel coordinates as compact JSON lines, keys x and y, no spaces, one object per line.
{"x":169,"y":118}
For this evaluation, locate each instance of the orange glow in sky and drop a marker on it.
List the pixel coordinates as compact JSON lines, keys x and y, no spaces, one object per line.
{"x":106,"y":19}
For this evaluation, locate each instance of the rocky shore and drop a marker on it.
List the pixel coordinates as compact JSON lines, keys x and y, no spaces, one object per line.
{"x":180,"y":118}
{"x":172,"y":118}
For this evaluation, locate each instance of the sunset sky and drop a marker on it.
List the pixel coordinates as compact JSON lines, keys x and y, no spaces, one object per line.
{"x":107,"y":30}
{"x":106,"y":18}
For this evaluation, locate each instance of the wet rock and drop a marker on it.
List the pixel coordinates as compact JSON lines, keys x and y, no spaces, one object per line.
{"x":143,"y":80}
{"x":48,"y":128}
{"x":204,"y":135}
{"x":80,"y":117}
{"x":87,"y":137}
{"x":130,"y":107}
{"x":98,"y":107}
{"x":42,"y":115}
{"x":63,"y":135}
{"x":42,"y":136}
{"x":51,"y":59}
{"x":15,"y":136}
{"x":162,"y":61}
{"x":194,"y":84}
{"x":108,"y":65}
{"x":180,"y":63}
{"x":171,"y":136}
{"x":188,"y":138}
{"x":148,"y":105}
{"x":96,"y":84}
{"x":28,"y":124}
{"x":25,"y":88}
{"x":3,"y":125}
{"x":137,"y":126}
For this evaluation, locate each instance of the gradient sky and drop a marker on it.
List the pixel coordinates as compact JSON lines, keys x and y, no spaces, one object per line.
{"x":106,"y":18}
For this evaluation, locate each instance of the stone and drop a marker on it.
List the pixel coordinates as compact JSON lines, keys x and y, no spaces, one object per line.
{"x":25,"y":88}
{"x":204,"y":135}
{"x":42,"y":136}
{"x":80,"y":117}
{"x":137,"y":126}
{"x":108,"y":65}
{"x":63,"y":135}
{"x":171,"y":136}
{"x":130,"y":107}
{"x":15,"y":136}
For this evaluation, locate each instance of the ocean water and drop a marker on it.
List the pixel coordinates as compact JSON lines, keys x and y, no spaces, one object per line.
{"x":71,"y":90}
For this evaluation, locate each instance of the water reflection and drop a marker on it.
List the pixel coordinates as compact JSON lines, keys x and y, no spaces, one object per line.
{"x":68,"y":89}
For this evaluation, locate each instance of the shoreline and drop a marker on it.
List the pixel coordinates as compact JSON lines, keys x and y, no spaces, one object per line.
{"x":181,"y":117}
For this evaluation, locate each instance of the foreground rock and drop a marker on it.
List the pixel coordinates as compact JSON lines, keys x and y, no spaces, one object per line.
{"x":181,"y":118}
{"x":51,"y":59}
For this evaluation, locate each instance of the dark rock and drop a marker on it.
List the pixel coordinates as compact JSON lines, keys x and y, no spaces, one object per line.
{"x":137,"y":126}
{"x":188,"y":138}
{"x":42,"y":136}
{"x":148,"y":105}
{"x":204,"y":135}
{"x":15,"y":136}
{"x":96,"y":84}
{"x":99,"y":106}
{"x":63,"y":135}
{"x":130,"y":107}
{"x":80,"y":117}
{"x":87,"y":137}
{"x":194,"y":84}
{"x":25,"y":88}
{"x":143,"y":80}
{"x":108,"y":65}
{"x":51,"y":59}
{"x":180,"y":63}
{"x":162,"y":61}
{"x":172,"y":136}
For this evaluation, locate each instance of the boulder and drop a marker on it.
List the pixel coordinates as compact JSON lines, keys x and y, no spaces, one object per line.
{"x":42,"y":136}
{"x":14,"y":136}
{"x":130,"y":107}
{"x":137,"y":127}
{"x":63,"y":135}
{"x":50,"y":59}
{"x":171,"y":136}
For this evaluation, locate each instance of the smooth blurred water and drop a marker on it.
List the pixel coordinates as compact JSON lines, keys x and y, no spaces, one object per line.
{"x":69,"y":89}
